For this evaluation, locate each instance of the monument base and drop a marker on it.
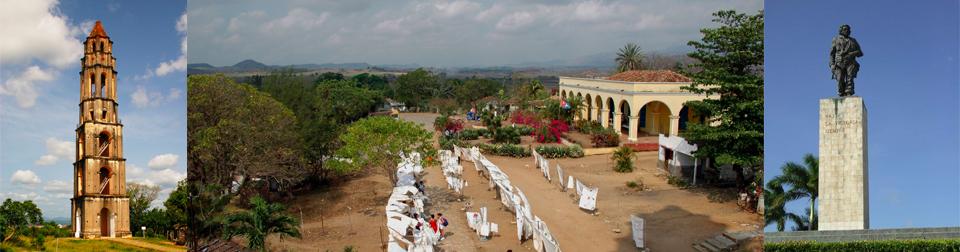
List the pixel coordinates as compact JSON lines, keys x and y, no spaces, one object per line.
{"x":843,"y":189}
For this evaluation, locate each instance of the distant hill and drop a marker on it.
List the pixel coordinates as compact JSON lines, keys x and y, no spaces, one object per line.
{"x":60,"y":220}
{"x":249,"y":65}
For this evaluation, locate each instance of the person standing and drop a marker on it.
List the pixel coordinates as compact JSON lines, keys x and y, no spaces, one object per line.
{"x":443,"y":225}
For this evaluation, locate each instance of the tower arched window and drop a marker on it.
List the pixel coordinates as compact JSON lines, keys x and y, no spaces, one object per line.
{"x":103,"y":84}
{"x":104,"y":180}
{"x":103,"y":147}
{"x":101,"y":46}
{"x":93,"y":85}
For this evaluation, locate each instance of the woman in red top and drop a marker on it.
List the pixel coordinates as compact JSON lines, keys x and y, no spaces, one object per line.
{"x":433,"y":223}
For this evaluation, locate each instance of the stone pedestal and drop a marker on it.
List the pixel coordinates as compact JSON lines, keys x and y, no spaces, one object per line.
{"x":843,"y":177}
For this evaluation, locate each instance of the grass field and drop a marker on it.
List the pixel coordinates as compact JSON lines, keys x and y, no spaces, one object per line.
{"x":82,"y":245}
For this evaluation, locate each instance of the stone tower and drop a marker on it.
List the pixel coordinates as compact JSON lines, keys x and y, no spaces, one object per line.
{"x":100,"y":206}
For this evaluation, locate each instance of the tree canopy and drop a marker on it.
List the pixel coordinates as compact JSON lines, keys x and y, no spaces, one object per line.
{"x":731,"y":74}
{"x":376,"y":142}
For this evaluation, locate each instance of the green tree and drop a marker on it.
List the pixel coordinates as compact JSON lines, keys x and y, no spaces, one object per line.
{"x":204,"y":212}
{"x":803,"y":182}
{"x":329,"y":76}
{"x":731,"y":62}
{"x":371,"y":81}
{"x":140,"y":198}
{"x":415,"y":88}
{"x":376,"y":142}
{"x":176,"y":208}
{"x":260,"y":221}
{"x":775,"y":200}
{"x":623,"y":157}
{"x":629,"y":58}
{"x":234,"y":130}
{"x":18,"y":216}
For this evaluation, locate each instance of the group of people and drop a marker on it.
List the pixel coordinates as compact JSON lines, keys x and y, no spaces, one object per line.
{"x":437,"y":223}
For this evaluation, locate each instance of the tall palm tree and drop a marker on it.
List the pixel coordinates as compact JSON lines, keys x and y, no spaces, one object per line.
{"x":774,"y":198}
{"x":262,"y":220}
{"x":804,"y":222}
{"x":629,"y":58}
{"x":802,"y":179}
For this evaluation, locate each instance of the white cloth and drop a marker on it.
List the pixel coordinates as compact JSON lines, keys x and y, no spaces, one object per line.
{"x":570,"y":182}
{"x":637,"y":225}
{"x":560,"y":175}
{"x":588,"y":198}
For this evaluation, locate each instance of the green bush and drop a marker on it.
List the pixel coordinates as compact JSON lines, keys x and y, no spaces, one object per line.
{"x":560,"y":151}
{"x":878,"y":245}
{"x":605,"y":138}
{"x":677,"y":181}
{"x":447,"y":143}
{"x":587,"y":127}
{"x":509,"y":150}
{"x":471,"y":134}
{"x":524,"y":130}
{"x":623,"y":159}
{"x":509,"y":135}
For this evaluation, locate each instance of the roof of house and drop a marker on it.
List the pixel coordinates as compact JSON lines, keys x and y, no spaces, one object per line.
{"x":650,"y":76}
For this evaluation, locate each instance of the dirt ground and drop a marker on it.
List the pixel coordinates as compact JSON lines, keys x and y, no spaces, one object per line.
{"x":353,"y":213}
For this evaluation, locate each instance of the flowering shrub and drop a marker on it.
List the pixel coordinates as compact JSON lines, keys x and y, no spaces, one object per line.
{"x":525,"y":118}
{"x":551,"y":133}
{"x":605,"y":138}
{"x":560,"y":151}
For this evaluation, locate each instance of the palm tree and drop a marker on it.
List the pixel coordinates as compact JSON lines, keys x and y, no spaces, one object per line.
{"x":774,"y":199}
{"x":803,"y":222}
{"x":262,"y":220}
{"x":802,"y":180}
{"x":629,"y":58}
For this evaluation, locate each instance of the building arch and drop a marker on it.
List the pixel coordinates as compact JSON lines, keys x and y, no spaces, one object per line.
{"x":589,"y":107}
{"x":105,"y":222}
{"x":611,"y":109}
{"x":625,"y":117}
{"x":655,"y":118}
{"x":687,"y":116}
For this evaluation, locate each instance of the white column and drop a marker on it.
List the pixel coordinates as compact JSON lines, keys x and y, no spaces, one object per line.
{"x":634,"y":124}
{"x":617,"y":116}
{"x":604,"y":120}
{"x":674,"y":125}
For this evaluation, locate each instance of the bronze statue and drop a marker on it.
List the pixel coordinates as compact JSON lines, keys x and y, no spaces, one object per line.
{"x":843,"y":60}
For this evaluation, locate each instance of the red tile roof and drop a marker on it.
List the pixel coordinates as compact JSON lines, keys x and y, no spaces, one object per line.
{"x":649,"y":76}
{"x":98,"y":31}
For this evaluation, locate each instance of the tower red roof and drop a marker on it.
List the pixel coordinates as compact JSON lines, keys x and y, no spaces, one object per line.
{"x":98,"y":31}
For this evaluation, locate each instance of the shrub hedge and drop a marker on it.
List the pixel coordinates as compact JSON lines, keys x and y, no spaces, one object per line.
{"x":605,"y":138}
{"x":559,"y":151}
{"x":878,"y":245}
{"x":509,"y":150}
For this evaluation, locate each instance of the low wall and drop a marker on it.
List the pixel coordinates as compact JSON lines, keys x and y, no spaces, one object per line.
{"x":868,"y":234}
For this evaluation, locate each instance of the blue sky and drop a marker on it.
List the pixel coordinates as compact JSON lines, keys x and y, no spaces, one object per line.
{"x":910,"y":80}
{"x":39,"y":93}
{"x":443,"y":33}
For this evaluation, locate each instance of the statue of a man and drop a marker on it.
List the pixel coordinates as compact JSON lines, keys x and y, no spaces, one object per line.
{"x":843,"y":60}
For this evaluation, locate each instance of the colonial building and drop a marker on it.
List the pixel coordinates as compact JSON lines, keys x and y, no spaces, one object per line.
{"x":100,"y":205}
{"x":637,"y":103}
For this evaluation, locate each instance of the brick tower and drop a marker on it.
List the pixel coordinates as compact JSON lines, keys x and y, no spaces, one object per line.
{"x":100,"y":206}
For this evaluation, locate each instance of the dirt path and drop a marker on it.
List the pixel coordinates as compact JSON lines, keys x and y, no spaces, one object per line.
{"x":146,"y":245}
{"x":675,"y":218}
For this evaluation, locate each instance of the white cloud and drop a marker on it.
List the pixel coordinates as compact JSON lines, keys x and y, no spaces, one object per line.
{"x":26,"y":177}
{"x":35,"y":30}
{"x":515,"y":21}
{"x":57,"y":186}
{"x":57,"y":150}
{"x":165,"y":178}
{"x":175,"y":65}
{"x":163,"y":161}
{"x":23,"y":87}
{"x":455,"y":8}
{"x":298,"y":17}
{"x":142,"y":97}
